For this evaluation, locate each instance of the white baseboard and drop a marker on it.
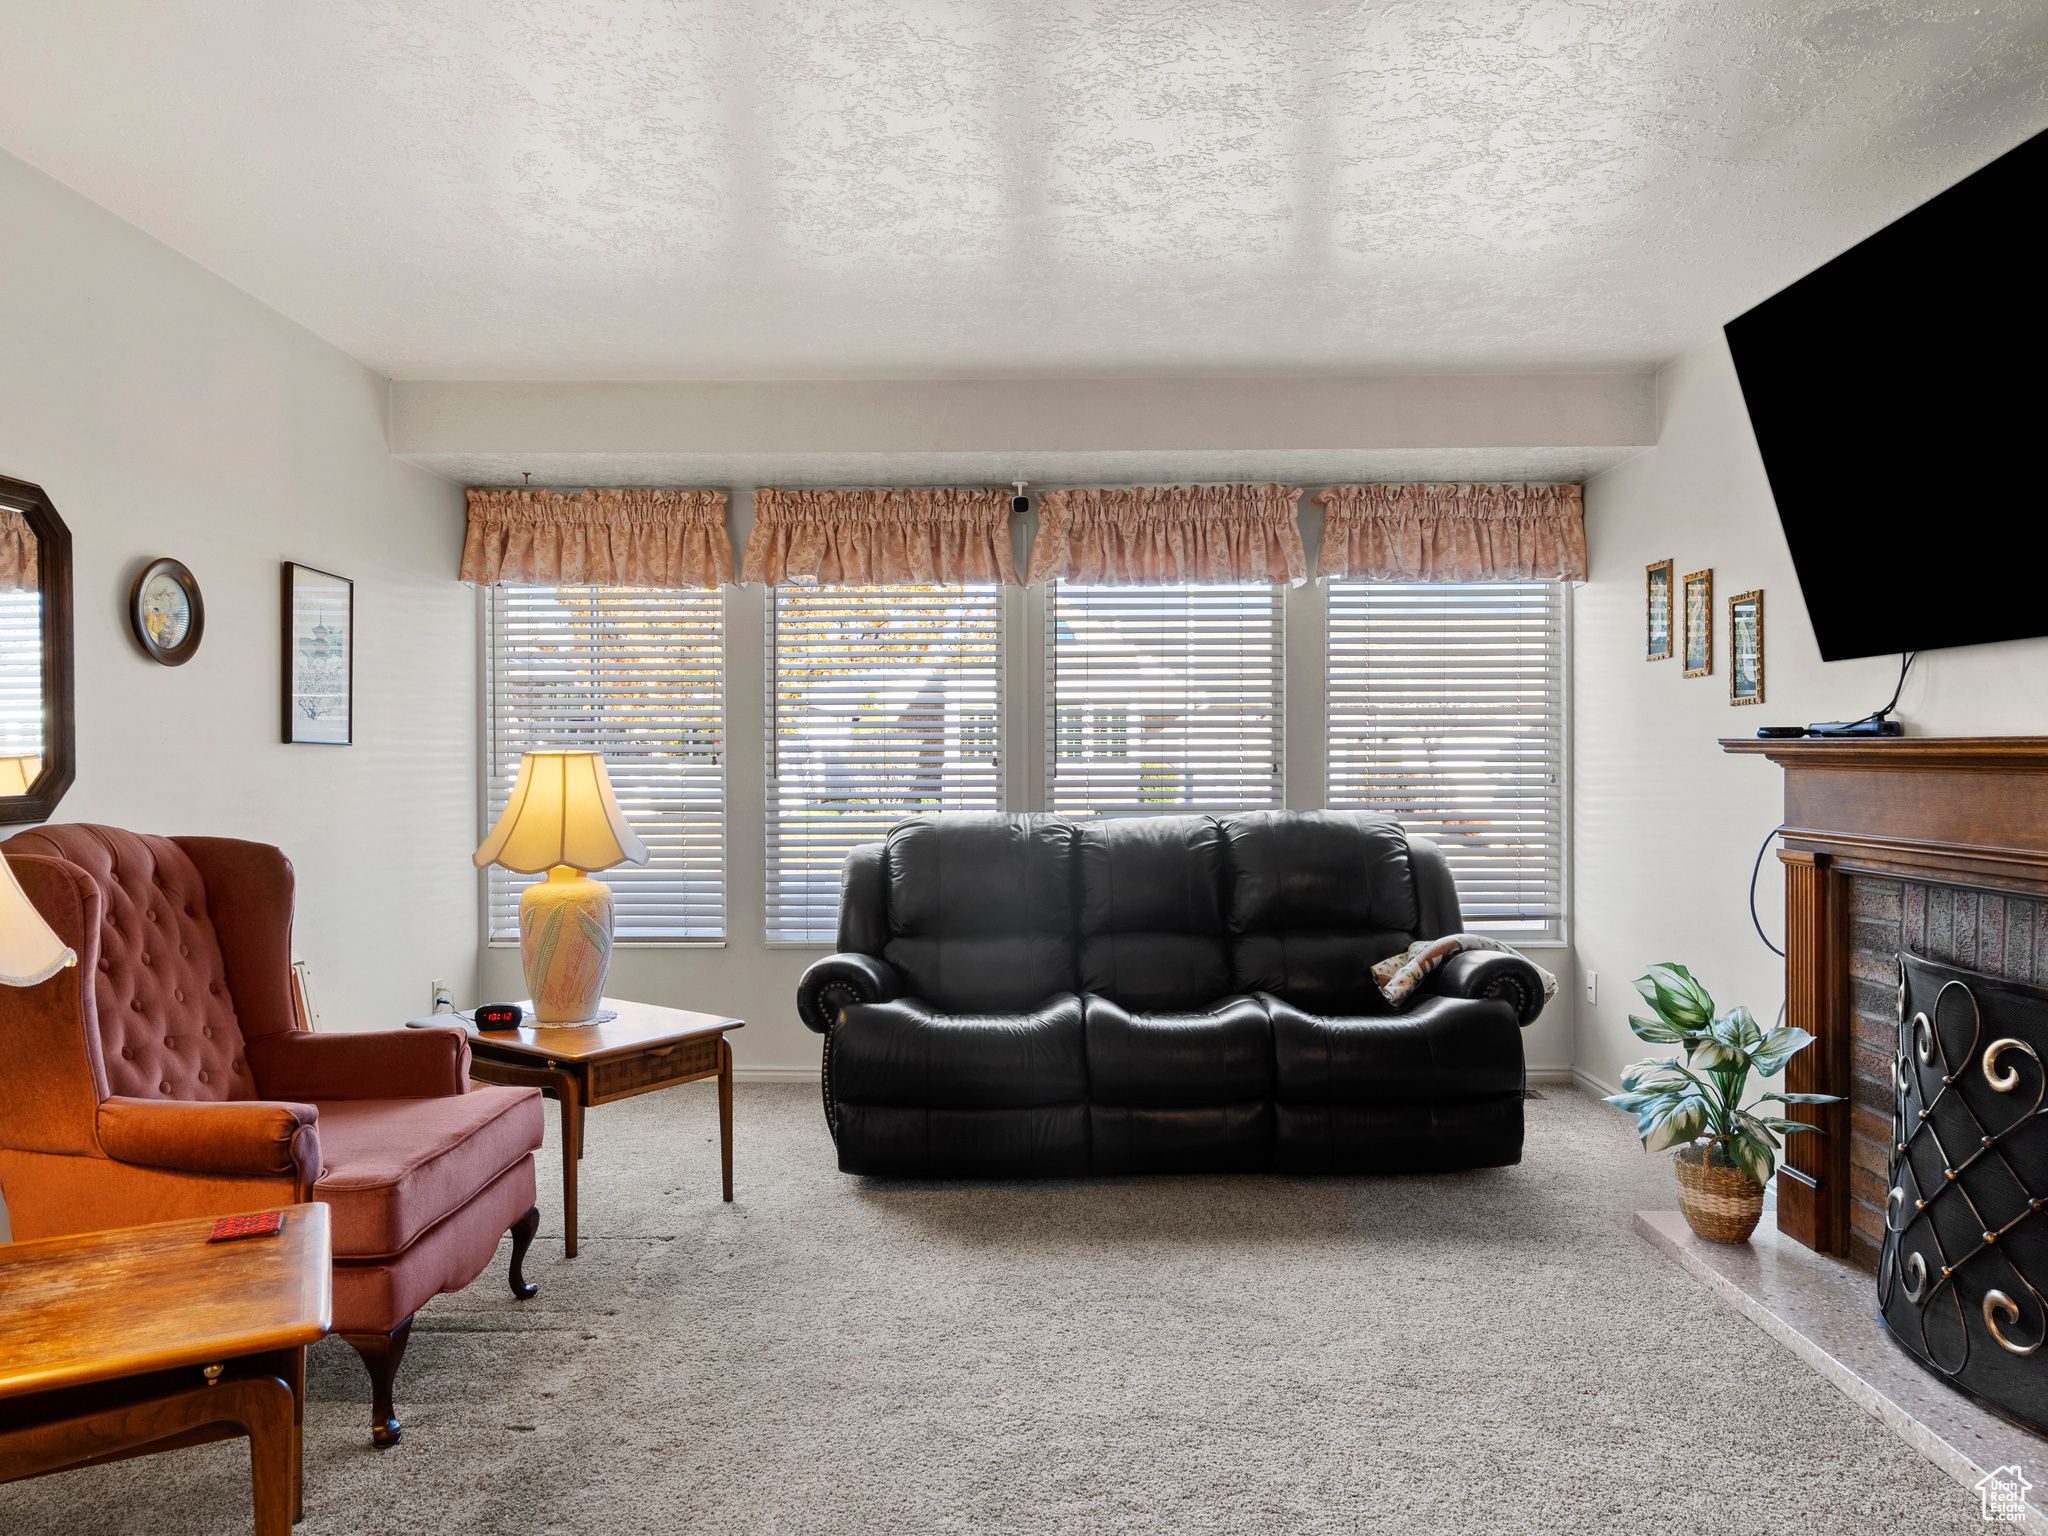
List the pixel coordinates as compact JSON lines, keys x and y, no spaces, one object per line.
{"x":1548,"y":1074}
{"x":1588,"y":1083}
{"x":775,"y":1074}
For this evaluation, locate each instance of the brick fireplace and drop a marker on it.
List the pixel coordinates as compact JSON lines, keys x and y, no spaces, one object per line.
{"x":1933,"y":845}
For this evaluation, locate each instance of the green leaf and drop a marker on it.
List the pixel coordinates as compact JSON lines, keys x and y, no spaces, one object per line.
{"x":1779,"y":1047}
{"x":1655,"y":1031}
{"x":1678,"y":999}
{"x":1712,"y":1055}
{"x":1684,"y":1122}
{"x":1632,"y":1102}
{"x":1636,"y":1074}
{"x":1759,"y":1128}
{"x":1802,"y":1098}
{"x":1782,"y":1127}
{"x":1752,"y":1157}
{"x":1739,"y":1030}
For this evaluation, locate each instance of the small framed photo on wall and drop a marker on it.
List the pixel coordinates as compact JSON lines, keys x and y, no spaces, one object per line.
{"x":1657,"y":612}
{"x":1746,"y":648}
{"x":319,"y":656}
{"x":1699,"y":624}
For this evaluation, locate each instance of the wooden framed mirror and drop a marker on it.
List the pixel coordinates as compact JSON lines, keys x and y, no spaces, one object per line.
{"x":37,"y":761}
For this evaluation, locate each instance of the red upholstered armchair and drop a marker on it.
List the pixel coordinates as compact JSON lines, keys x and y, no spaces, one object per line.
{"x":166,"y":1076}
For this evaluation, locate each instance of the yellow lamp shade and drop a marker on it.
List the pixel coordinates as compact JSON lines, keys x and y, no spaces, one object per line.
{"x":18,"y":772}
{"x":30,"y":950}
{"x":561,"y":812}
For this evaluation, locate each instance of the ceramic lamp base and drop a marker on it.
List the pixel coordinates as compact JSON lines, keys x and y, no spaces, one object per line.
{"x":565,"y":938}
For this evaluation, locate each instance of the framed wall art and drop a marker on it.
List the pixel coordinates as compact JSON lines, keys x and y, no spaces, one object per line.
{"x":167,"y":613}
{"x":1746,"y":648}
{"x":1699,"y":624}
{"x":1657,"y":612}
{"x":319,"y":656}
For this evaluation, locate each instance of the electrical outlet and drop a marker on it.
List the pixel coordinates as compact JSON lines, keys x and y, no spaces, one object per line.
{"x":444,"y":1000}
{"x":1592,"y":986}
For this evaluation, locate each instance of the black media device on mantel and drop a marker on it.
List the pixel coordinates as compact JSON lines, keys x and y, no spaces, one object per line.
{"x":1768,"y":732}
{"x":498,"y":1015}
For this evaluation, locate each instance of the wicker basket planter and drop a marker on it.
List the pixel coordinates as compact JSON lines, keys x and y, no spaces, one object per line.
{"x":1721,"y":1202}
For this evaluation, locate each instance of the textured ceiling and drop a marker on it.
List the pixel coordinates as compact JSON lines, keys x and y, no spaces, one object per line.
{"x":581,"y":189}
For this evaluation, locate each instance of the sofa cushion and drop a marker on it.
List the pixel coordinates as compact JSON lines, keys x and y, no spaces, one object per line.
{"x":1317,"y":899}
{"x":166,"y":1020}
{"x":1441,"y":1050}
{"x":1222,"y":1055}
{"x":905,"y":1053}
{"x":1151,"y":911}
{"x":981,"y":909}
{"x":395,"y":1167}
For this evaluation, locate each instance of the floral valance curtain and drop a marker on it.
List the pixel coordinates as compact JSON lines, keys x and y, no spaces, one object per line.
{"x":880,"y":538}
{"x":1450,"y":533}
{"x":1157,"y":536}
{"x":627,"y":538}
{"x":19,"y":568}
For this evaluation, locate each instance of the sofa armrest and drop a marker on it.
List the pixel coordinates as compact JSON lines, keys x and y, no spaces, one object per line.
{"x":839,"y":981}
{"x":246,"y":1138}
{"x":1489,"y":973}
{"x":370,"y":1064}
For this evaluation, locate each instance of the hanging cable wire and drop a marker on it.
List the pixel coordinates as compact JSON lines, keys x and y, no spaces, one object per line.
{"x":1755,"y":870}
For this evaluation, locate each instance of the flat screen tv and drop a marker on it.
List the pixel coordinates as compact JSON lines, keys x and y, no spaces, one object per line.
{"x":1897,"y":397}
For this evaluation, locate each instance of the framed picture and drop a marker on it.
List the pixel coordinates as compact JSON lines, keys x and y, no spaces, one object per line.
{"x":1657,"y":612}
{"x":167,"y":613}
{"x":319,"y":656}
{"x":1699,"y":624}
{"x":1746,"y":648}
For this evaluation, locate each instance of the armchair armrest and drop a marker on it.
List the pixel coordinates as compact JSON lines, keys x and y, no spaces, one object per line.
{"x":1480,"y":973}
{"x":247,"y":1138}
{"x":371,"y":1064}
{"x":839,"y":981}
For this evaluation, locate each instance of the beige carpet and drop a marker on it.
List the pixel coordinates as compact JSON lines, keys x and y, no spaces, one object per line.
{"x":1489,"y":1351}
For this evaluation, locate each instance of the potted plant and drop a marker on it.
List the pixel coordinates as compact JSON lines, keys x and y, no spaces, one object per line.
{"x":1727,"y":1150}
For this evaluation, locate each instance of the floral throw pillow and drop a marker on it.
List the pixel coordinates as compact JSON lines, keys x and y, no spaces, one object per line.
{"x":1399,"y":975}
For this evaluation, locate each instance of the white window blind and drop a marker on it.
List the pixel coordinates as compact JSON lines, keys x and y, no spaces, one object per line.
{"x":639,"y":676}
{"x":21,"y":674}
{"x":884,"y":702}
{"x":1163,"y":699}
{"x":1446,"y":708}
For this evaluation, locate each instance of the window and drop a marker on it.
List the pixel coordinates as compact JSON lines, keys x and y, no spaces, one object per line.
{"x":1163,"y":699}
{"x":884,"y":702}
{"x":1446,"y":707}
{"x":21,"y":674}
{"x":639,"y":676}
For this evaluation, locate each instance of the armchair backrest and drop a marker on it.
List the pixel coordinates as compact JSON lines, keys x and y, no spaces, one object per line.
{"x":163,"y":1010}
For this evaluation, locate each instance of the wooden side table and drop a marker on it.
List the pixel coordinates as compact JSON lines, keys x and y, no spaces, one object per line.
{"x":646,"y":1047}
{"x":147,"y":1339}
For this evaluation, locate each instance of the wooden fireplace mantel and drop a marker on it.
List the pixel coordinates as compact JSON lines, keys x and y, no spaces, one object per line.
{"x":1947,"y":810}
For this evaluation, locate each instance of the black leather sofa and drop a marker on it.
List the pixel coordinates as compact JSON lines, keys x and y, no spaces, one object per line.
{"x":1021,"y":995}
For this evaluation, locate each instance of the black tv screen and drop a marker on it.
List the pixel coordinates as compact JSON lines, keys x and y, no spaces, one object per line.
{"x":1897,"y":398}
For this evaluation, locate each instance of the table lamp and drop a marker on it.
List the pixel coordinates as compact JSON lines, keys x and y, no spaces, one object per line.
{"x":562,"y":818}
{"x":30,"y":950}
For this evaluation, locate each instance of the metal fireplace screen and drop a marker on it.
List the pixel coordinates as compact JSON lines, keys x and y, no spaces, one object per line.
{"x":1966,"y":1238}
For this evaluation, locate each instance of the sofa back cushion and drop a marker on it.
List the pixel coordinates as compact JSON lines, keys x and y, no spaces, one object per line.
{"x":1153,"y":938}
{"x":167,"y":1022}
{"x":981,"y":909}
{"x":1317,"y":898}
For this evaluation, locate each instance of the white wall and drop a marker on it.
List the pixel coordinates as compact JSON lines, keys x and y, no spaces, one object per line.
{"x":167,"y":413}
{"x":1667,"y":824}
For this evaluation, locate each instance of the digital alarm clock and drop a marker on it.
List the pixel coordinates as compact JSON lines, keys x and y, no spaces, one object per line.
{"x":498,"y":1015}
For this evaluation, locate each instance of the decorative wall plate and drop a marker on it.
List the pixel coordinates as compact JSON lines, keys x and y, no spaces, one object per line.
{"x":167,"y":612}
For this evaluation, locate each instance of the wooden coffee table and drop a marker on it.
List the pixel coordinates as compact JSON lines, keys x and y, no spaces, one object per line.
{"x":646,"y":1047}
{"x":147,"y":1339}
